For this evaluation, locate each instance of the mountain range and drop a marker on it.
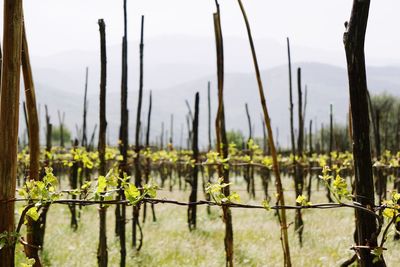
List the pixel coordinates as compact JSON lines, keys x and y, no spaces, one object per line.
{"x":174,"y":73}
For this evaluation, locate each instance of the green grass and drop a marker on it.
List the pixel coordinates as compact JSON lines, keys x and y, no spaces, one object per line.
{"x":168,"y":242}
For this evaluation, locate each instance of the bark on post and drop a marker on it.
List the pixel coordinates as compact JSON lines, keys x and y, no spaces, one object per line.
{"x":73,"y":181}
{"x":102,"y":254}
{"x":138,"y":173}
{"x":120,"y":211}
{"x":26,"y":118}
{"x":291,"y":99}
{"x":299,"y":179}
{"x":265,"y":141}
{"x":148,"y":161}
{"x":84,"y":134}
{"x":249,"y":172}
{"x":192,"y":209}
{"x":61,"y":120}
{"x":171,"y":132}
{"x":278,"y":182}
{"x":34,"y":227}
{"x":222,"y":143}
{"x":310,"y":152}
{"x":354,"y":39}
{"x":248,"y":121}
{"x":328,"y":191}
{"x":9,"y":116}
{"x":49,"y":129}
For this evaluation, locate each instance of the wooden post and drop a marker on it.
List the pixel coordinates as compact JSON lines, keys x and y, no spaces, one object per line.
{"x":249,"y":121}
{"x":26,"y":118}
{"x":61,"y":120}
{"x":328,"y":191}
{"x":222,"y":143}
{"x":192,"y":209}
{"x":9,"y":117}
{"x":310,"y":152}
{"x":354,"y":39}
{"x":34,"y":227}
{"x":299,"y":179}
{"x":102,"y":253}
{"x":279,"y":187}
{"x":291,"y":99}
{"x":148,"y":161}
{"x":171,"y":134}
{"x":120,"y":212}
{"x":138,"y":173}
{"x":84,"y":134}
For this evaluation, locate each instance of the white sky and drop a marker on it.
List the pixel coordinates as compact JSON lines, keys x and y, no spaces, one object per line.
{"x":59,"y":25}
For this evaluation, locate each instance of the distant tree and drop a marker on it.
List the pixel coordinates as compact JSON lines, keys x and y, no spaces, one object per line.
{"x":341,"y":140}
{"x":387,"y":107}
{"x":236,"y":137}
{"x":56,"y":134}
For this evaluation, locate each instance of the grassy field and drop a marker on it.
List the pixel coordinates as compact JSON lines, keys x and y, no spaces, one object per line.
{"x":168,"y":242}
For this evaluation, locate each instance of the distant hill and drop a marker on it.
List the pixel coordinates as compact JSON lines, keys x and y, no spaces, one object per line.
{"x":326,"y":84}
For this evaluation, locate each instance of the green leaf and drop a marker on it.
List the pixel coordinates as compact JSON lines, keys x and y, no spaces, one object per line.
{"x":33,"y":213}
{"x":234,"y":197}
{"x":302,"y":200}
{"x":266,"y":205}
{"x":28,"y":262}
{"x":101,"y":184}
{"x":132,"y":194}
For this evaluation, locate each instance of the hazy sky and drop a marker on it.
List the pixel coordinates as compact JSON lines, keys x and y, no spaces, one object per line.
{"x":59,"y":25}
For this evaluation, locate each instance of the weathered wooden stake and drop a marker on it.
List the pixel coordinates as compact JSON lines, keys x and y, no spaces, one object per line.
{"x":281,"y":199}
{"x":366,"y":226}
{"x":138,"y":173}
{"x":222,"y":143}
{"x":102,"y":253}
{"x":192,"y":210}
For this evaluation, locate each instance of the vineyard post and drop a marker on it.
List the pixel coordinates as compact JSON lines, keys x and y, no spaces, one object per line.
{"x":171,"y":134}
{"x":222,"y":143}
{"x":310,"y":165}
{"x":299,"y":179}
{"x":322,"y":139}
{"x":9,"y":112}
{"x":120,"y":212}
{"x":354,"y":39}
{"x":328,"y":191}
{"x":209,"y":169}
{"x":291,"y":99}
{"x":162,"y":136}
{"x":73,"y":180}
{"x":61,"y":120}
{"x":279,"y":187}
{"x":84,"y":135}
{"x":248,"y":121}
{"x":265,"y":144}
{"x":249,"y":172}
{"x":138,"y":173}
{"x":192,"y":209}
{"x":49,"y":129}
{"x":102,"y":254}
{"x":148,"y":161}
{"x":25,"y":117}
{"x":189,"y":121}
{"x":33,"y":227}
